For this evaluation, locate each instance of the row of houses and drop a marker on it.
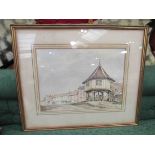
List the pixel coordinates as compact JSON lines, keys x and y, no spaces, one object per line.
{"x":71,"y":97}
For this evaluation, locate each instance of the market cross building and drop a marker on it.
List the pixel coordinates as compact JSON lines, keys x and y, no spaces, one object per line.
{"x":99,"y":86}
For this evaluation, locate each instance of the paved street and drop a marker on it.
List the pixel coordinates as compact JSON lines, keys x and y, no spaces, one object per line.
{"x":82,"y":107}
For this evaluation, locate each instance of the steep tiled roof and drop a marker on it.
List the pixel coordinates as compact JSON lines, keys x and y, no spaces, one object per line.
{"x":99,"y":73}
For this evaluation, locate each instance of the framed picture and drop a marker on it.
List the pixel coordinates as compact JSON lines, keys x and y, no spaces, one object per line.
{"x":75,"y":76}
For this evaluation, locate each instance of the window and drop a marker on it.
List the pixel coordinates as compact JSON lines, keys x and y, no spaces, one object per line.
{"x":98,"y":82}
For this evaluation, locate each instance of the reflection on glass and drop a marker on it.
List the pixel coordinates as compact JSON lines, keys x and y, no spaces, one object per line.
{"x":123,"y":52}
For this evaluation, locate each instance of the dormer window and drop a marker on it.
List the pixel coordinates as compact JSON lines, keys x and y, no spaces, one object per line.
{"x":98,"y":82}
{"x":87,"y":83}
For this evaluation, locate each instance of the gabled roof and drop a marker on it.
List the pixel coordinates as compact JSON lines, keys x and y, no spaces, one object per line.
{"x":99,"y":73}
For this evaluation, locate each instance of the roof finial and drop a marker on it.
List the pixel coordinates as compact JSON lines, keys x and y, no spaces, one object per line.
{"x":99,"y":62}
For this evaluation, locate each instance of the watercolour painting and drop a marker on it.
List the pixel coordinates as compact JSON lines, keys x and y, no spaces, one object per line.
{"x":80,"y":80}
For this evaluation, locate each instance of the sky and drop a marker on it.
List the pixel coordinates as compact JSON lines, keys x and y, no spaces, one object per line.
{"x":63,"y":70}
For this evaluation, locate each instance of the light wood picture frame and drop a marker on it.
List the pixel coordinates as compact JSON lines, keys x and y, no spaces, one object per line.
{"x":76,"y":76}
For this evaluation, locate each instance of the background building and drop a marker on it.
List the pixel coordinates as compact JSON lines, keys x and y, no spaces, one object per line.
{"x":71,"y":97}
